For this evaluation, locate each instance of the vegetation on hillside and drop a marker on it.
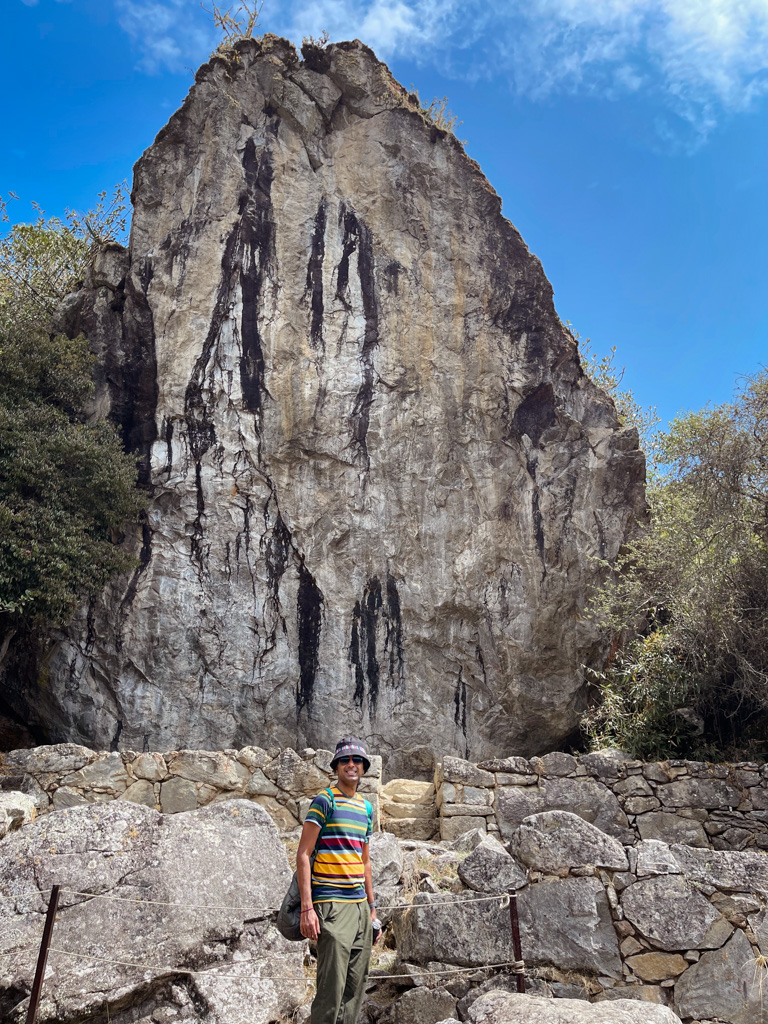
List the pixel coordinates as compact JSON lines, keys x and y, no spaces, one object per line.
{"x":67,"y":487}
{"x":686,"y":607}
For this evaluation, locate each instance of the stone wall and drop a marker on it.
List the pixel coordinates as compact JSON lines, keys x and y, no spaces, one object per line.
{"x":282,"y":781}
{"x":716,"y":806}
{"x":657,"y":922}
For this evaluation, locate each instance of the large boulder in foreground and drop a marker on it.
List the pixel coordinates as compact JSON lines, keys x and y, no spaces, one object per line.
{"x":378,"y":474}
{"x":510,"y":1008}
{"x":159,"y":914}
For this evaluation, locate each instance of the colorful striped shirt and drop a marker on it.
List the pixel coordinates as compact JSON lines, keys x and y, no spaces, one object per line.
{"x":338,"y":873}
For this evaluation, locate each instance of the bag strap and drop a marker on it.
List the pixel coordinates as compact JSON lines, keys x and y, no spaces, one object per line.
{"x":328,"y":818}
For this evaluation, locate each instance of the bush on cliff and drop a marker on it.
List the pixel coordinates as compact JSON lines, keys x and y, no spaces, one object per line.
{"x":687,"y":604}
{"x":66,"y":484}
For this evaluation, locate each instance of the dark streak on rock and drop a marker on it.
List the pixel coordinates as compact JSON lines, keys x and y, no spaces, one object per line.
{"x":393,"y":641}
{"x":256,"y":261}
{"x":309,"y":607}
{"x":196,"y":549}
{"x":460,"y":704}
{"x":363,"y":641}
{"x":358,"y":237}
{"x":116,"y":738}
{"x":537,"y":413}
{"x":315,"y":278}
{"x":145,"y":556}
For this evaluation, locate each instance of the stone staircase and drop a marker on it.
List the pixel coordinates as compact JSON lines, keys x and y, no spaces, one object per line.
{"x":409,"y":809}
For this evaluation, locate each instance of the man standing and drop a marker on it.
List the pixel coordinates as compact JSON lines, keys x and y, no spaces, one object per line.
{"x":337,"y":902}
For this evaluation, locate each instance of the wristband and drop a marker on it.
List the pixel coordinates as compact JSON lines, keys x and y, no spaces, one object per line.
{"x":372,"y":906}
{"x":307,"y":910}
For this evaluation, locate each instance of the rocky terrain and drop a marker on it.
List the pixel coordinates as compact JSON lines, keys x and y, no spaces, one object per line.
{"x":168,"y":917}
{"x":376,"y":474}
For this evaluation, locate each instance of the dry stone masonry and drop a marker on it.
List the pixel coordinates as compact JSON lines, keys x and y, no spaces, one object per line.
{"x":606,"y":914}
{"x":66,"y":775}
{"x":376,"y":473}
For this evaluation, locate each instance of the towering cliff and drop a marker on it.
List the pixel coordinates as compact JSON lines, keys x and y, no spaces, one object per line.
{"x":377,"y":473}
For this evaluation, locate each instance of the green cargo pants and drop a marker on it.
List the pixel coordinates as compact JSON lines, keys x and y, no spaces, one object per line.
{"x":343,"y":956}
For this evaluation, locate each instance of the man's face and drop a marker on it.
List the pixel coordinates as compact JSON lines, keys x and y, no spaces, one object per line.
{"x":349,"y":772}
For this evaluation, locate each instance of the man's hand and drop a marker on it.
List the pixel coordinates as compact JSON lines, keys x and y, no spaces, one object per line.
{"x":377,"y":932}
{"x":310,"y":924}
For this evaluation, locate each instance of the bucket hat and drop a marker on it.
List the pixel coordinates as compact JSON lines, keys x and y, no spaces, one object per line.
{"x":353,"y":747}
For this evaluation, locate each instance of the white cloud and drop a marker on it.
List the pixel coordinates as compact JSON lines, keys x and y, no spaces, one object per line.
{"x":30,"y":3}
{"x":705,"y":57}
{"x":169,"y":34}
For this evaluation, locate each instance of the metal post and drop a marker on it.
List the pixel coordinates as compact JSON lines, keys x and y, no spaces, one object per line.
{"x":42,"y":960}
{"x":516,"y":939}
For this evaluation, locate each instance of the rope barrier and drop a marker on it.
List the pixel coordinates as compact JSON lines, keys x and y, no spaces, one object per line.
{"x":284,"y":977}
{"x":502,"y":897}
{"x":28,"y":892}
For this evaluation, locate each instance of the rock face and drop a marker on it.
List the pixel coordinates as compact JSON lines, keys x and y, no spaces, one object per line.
{"x":188,"y":935}
{"x":376,"y":472}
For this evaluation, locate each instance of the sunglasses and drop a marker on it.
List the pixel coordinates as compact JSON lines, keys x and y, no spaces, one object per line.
{"x":346,"y":760}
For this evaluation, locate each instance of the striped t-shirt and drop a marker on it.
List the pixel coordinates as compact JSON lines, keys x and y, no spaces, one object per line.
{"x":337,"y":873}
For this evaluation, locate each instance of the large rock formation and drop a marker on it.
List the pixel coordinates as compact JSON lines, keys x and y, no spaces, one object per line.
{"x":377,"y":473}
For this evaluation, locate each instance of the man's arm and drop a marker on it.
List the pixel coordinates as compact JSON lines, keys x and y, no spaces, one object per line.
{"x":309,"y":924}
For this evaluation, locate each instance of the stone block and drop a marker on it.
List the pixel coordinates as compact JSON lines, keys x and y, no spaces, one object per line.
{"x":105,"y":773}
{"x":455,"y":769}
{"x":589,"y":799}
{"x":260,"y":785}
{"x":619,"y":1006}
{"x":670,"y":828}
{"x":178,"y":795}
{"x":64,"y":797}
{"x":640,"y":804}
{"x":489,"y":868}
{"x":557,"y":764}
{"x":253,"y":757}
{"x":516,"y":765}
{"x":214,"y":768}
{"x":655,"y":773}
{"x":464,"y":810}
{"x":151,"y":767}
{"x":453,"y":827}
{"x":745,"y":871}
{"x":724,"y":984}
{"x":671,"y":914}
{"x":703,"y":793}
{"x":408,"y":791}
{"x":633,"y":785}
{"x":557,"y":840}
{"x":655,"y":858}
{"x":140,"y":792}
{"x":393,"y":810}
{"x":411,"y":828}
{"x":55,"y":759}
{"x":657,"y":967}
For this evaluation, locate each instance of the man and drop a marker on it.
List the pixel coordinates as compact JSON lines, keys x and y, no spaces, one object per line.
{"x":337,"y":902}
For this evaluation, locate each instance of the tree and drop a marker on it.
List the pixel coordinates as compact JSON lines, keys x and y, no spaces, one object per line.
{"x":67,"y":486}
{"x":687,"y":603}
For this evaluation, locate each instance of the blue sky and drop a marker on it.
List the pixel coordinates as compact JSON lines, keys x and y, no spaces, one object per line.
{"x":627,"y":139}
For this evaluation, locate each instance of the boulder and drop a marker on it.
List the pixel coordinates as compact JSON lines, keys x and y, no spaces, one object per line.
{"x":489,"y":868}
{"x":386,"y":860}
{"x":499,"y":1007}
{"x":359,"y":467}
{"x":420,"y":1005}
{"x":554,"y":841}
{"x":588,"y":798}
{"x":566,"y":923}
{"x":55,"y":758}
{"x":195,"y":895}
{"x":673,"y":915}
{"x":726,"y":984}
